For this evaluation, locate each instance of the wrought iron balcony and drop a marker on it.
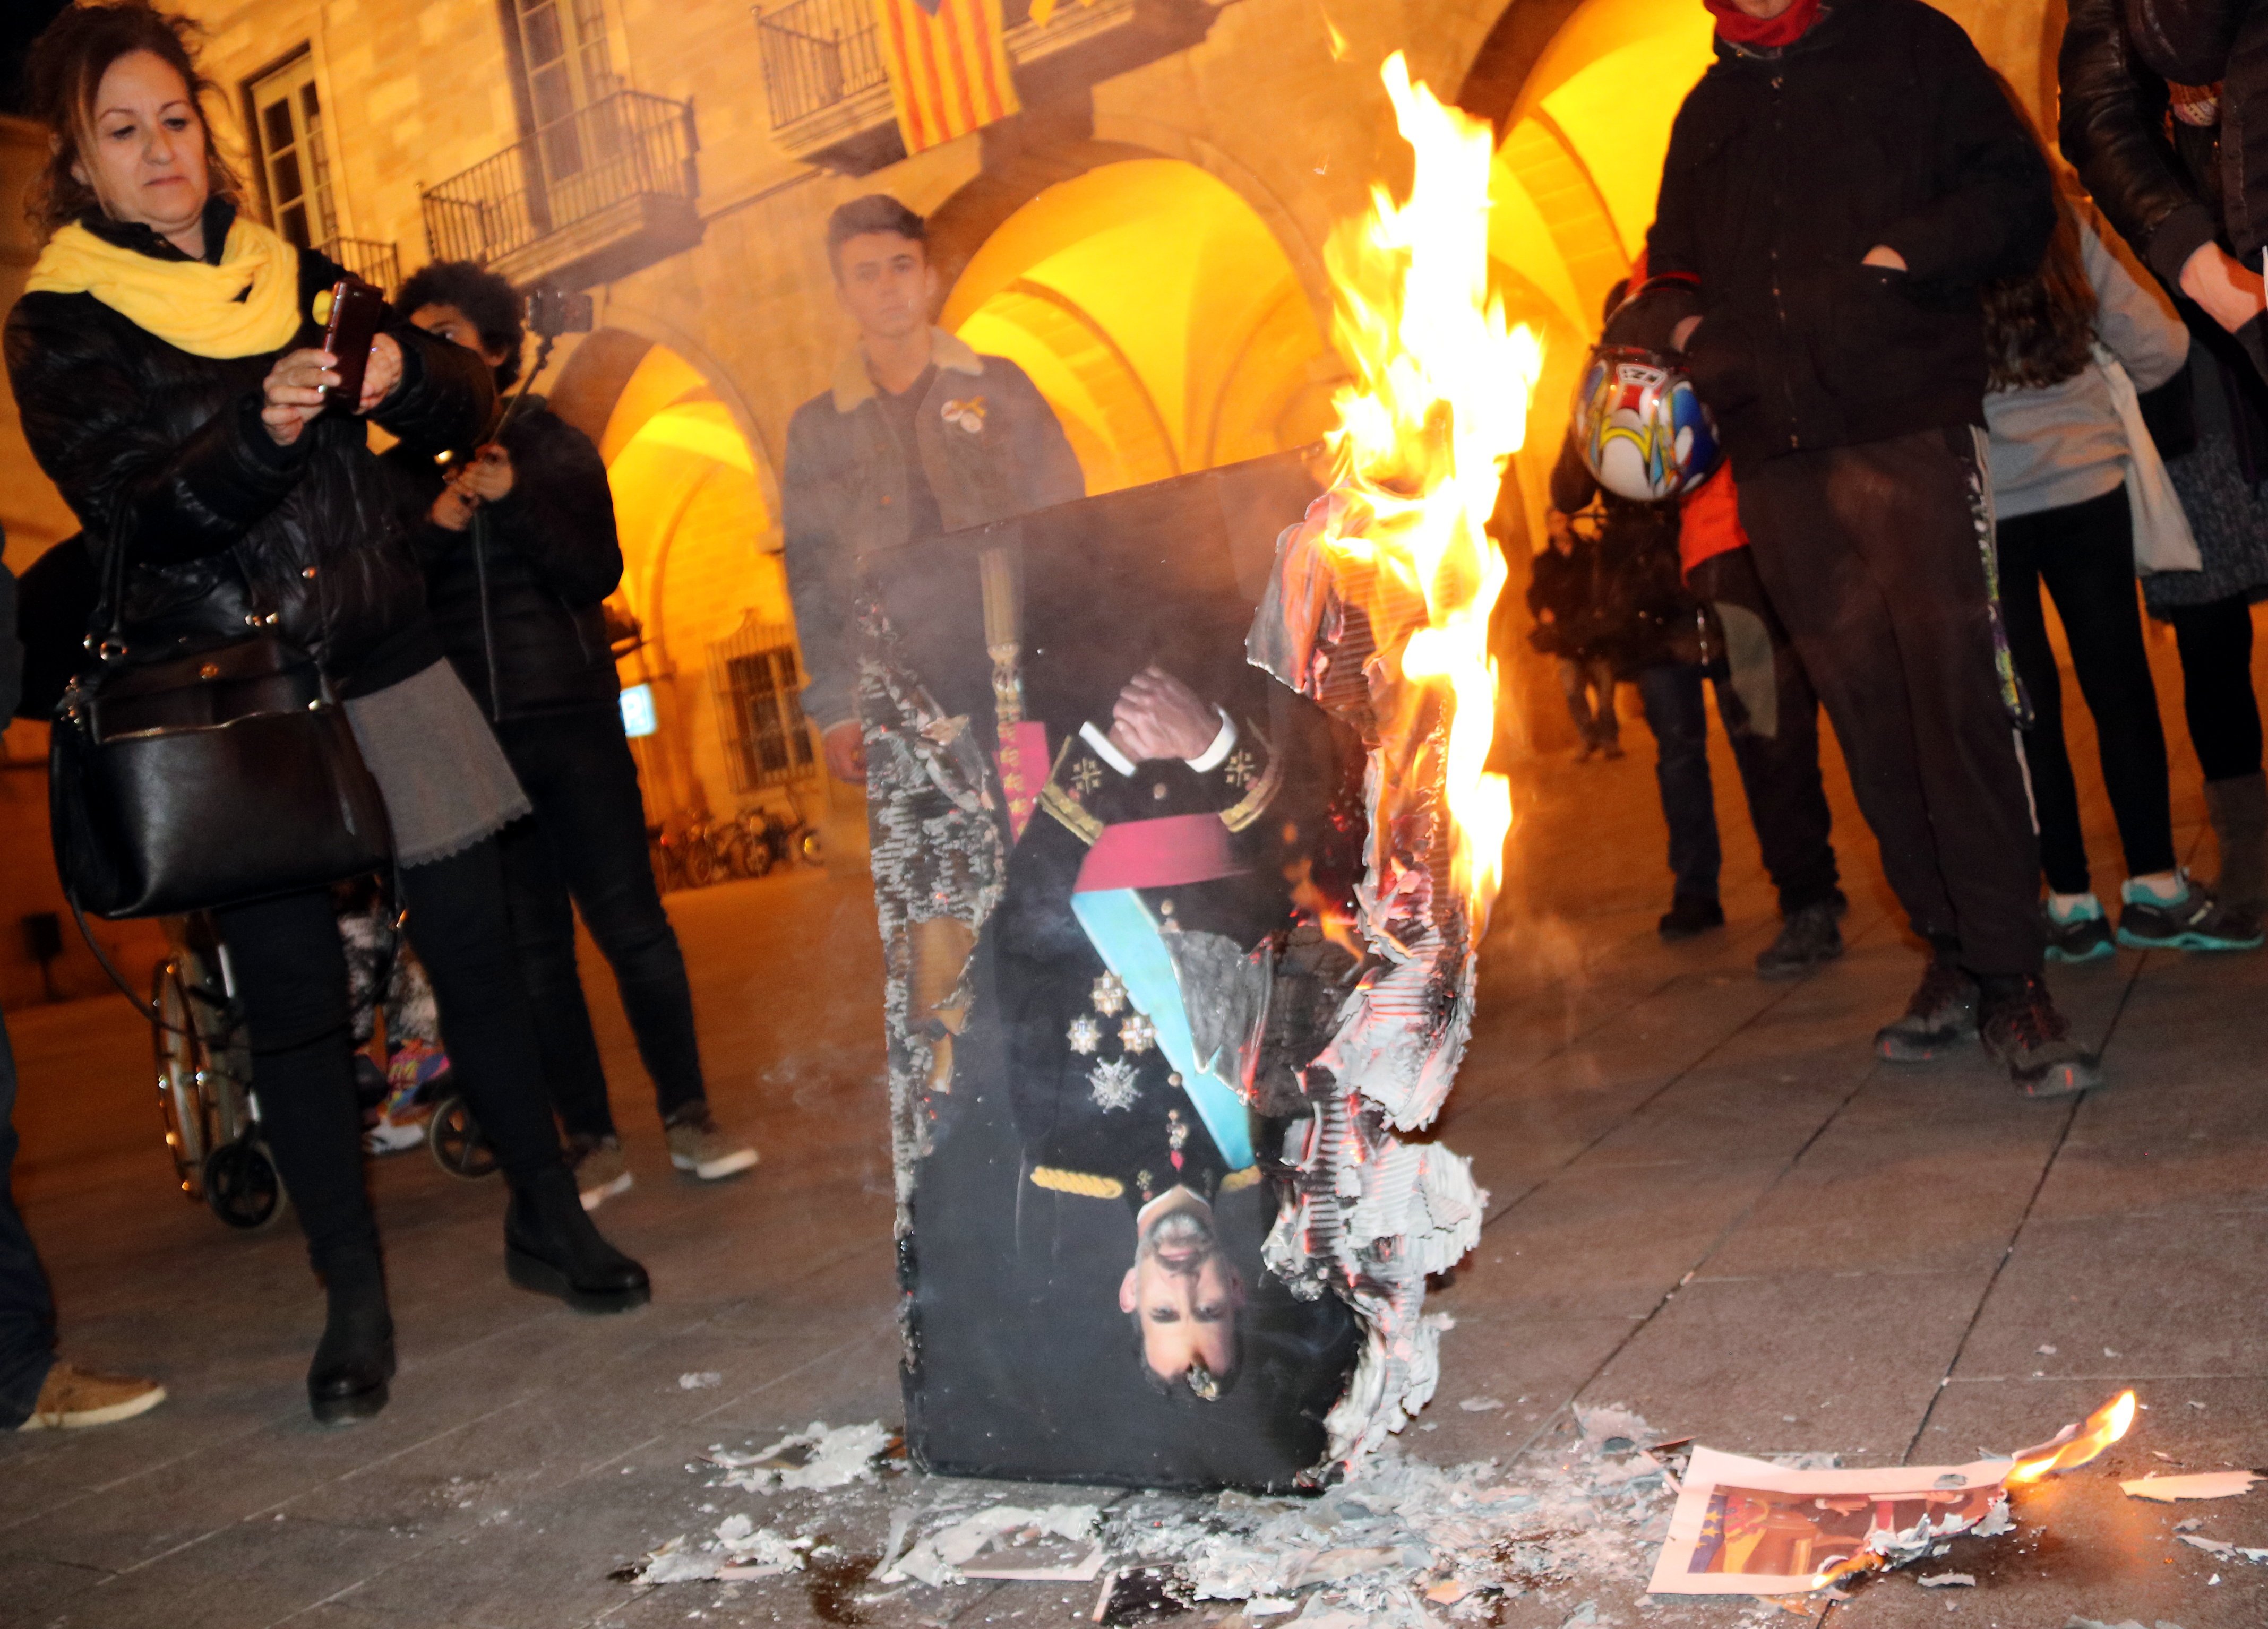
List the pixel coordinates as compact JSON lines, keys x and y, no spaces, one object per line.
{"x":595,"y":197}
{"x":373,"y":262}
{"x":830,"y":94}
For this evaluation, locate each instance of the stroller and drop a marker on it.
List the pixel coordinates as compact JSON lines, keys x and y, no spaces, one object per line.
{"x":205,"y":1091}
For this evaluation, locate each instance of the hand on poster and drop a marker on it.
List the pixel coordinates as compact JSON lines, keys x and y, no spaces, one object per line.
{"x":1157,"y":716}
{"x":846,"y":753}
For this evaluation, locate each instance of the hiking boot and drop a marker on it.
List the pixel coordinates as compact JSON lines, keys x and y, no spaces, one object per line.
{"x":1943,"y":1010}
{"x":699,"y":1145}
{"x":600,"y":1172}
{"x":1808,"y":939}
{"x":2022,"y":1029}
{"x":1688,"y":915}
{"x":2196,"y":921}
{"x":2082,"y":937}
{"x":70,"y":1397}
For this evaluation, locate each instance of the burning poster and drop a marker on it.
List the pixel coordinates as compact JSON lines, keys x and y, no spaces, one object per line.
{"x":1749,"y":1527}
{"x":1184,"y":849}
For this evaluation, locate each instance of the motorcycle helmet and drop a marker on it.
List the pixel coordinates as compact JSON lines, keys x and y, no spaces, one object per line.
{"x":1644,"y":435}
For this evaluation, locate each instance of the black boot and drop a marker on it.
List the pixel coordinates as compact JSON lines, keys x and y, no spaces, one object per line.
{"x":355,"y":1358}
{"x":551,"y":1246}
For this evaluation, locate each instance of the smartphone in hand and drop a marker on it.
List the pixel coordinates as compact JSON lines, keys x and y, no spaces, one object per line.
{"x":358,"y":311}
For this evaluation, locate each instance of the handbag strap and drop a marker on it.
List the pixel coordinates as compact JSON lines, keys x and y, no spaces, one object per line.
{"x":148,"y":1010}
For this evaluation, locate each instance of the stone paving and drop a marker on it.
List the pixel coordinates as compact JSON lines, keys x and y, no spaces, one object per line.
{"x":1709,"y":1204}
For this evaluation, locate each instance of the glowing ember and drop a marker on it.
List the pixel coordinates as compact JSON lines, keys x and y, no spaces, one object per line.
{"x":1439,"y":403}
{"x":2075,"y":1445}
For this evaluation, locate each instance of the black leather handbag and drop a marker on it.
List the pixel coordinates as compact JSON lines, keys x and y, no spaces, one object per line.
{"x":189,"y":779}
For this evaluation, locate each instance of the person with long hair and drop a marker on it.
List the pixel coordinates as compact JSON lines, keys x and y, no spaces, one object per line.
{"x":2061,"y":344}
{"x":2149,"y":149}
{"x":168,"y":367}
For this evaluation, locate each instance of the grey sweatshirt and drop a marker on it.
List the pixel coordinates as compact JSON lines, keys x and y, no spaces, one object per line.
{"x":2065,"y":445}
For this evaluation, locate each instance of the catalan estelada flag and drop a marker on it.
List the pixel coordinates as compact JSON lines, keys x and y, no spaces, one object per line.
{"x":948,"y":67}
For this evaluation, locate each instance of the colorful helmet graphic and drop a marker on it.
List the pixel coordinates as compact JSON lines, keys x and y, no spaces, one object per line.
{"x":1646,"y":435}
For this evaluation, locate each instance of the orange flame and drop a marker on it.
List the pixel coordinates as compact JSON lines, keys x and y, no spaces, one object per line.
{"x":2075,"y":1445}
{"x":1440,"y":402}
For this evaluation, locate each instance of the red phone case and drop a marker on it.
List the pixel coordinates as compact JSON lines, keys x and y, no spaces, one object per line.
{"x":357,"y":310}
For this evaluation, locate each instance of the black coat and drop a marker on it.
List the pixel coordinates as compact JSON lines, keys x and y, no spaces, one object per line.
{"x":2222,"y":43}
{"x":1881,"y":125}
{"x":515,"y":595}
{"x":2156,"y":178}
{"x":223,"y":520}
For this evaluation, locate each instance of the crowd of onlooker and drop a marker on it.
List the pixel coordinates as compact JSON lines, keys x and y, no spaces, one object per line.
{"x":1947,"y":371}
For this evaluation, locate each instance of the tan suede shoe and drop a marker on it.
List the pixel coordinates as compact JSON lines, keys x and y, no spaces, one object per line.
{"x":71,"y":1397}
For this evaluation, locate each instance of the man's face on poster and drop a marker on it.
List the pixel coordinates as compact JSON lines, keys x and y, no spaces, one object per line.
{"x":1184,"y":1293}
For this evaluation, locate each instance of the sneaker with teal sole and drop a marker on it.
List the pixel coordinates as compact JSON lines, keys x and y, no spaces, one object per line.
{"x":2085,"y":937}
{"x":2196,"y":921}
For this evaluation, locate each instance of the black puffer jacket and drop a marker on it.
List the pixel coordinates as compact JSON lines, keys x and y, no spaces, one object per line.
{"x":515,"y":595}
{"x":222,"y":519}
{"x":1881,"y":125}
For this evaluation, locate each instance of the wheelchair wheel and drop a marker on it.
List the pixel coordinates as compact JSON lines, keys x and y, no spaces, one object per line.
{"x":242,"y":1186}
{"x":184,"y":1078}
{"x":455,"y":1139}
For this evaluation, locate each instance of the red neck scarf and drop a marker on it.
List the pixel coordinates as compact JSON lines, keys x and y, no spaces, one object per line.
{"x":1738,"y":26}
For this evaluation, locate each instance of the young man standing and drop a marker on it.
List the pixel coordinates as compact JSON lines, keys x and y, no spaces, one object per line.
{"x":918,"y":436}
{"x":1838,"y":186}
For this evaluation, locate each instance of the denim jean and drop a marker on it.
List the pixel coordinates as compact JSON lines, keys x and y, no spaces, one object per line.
{"x":1780,"y":775}
{"x":27,"y":1306}
{"x":587,"y":843}
{"x":1589,"y":684}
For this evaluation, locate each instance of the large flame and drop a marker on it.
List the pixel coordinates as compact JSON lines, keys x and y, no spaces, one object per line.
{"x":1438,"y":403}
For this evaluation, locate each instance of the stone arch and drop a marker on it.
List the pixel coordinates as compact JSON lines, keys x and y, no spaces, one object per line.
{"x":1158,"y":311}
{"x":696,"y":504}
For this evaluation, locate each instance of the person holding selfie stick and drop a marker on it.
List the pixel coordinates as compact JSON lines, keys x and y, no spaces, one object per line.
{"x":168,"y":363}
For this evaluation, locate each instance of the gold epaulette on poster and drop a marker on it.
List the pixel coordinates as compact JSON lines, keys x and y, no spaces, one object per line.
{"x":1085,"y":1183}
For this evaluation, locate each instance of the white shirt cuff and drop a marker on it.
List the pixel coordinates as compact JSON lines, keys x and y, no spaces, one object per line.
{"x":1212,"y":757}
{"x":1223,"y":744}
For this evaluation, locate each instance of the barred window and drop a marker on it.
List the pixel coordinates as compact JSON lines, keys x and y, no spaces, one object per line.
{"x":758,"y":686}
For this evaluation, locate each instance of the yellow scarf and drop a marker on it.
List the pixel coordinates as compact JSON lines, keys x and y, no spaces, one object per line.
{"x":185,"y":303}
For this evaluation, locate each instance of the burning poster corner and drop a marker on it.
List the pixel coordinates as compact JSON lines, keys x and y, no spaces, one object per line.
{"x":1747,"y":1526}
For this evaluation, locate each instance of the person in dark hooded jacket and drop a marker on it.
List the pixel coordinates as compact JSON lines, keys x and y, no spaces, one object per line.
{"x":519,"y":550}
{"x":1838,"y":186}
{"x":167,"y":364}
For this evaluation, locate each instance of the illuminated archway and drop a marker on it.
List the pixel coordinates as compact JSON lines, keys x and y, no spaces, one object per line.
{"x":700,"y":567}
{"x":1159,"y":315}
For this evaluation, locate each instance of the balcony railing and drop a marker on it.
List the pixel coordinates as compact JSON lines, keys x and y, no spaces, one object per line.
{"x":583,"y":200}
{"x":373,"y":262}
{"x":817,"y":53}
{"x":829,"y":89}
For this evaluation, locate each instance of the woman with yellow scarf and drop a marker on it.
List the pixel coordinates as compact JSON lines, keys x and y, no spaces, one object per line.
{"x":166,"y":359}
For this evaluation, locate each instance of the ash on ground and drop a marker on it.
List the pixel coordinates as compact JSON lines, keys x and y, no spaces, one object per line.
{"x":1562,"y":1536}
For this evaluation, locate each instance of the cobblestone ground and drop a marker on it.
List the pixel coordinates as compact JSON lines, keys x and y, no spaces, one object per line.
{"x":1709,"y":1205}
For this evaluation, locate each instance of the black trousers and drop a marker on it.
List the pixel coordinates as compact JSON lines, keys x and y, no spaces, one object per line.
{"x":588,"y":842}
{"x":27,"y":1306}
{"x":1871,"y":557}
{"x":2215,"y":639}
{"x":291,"y":976}
{"x":2085,"y":554}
